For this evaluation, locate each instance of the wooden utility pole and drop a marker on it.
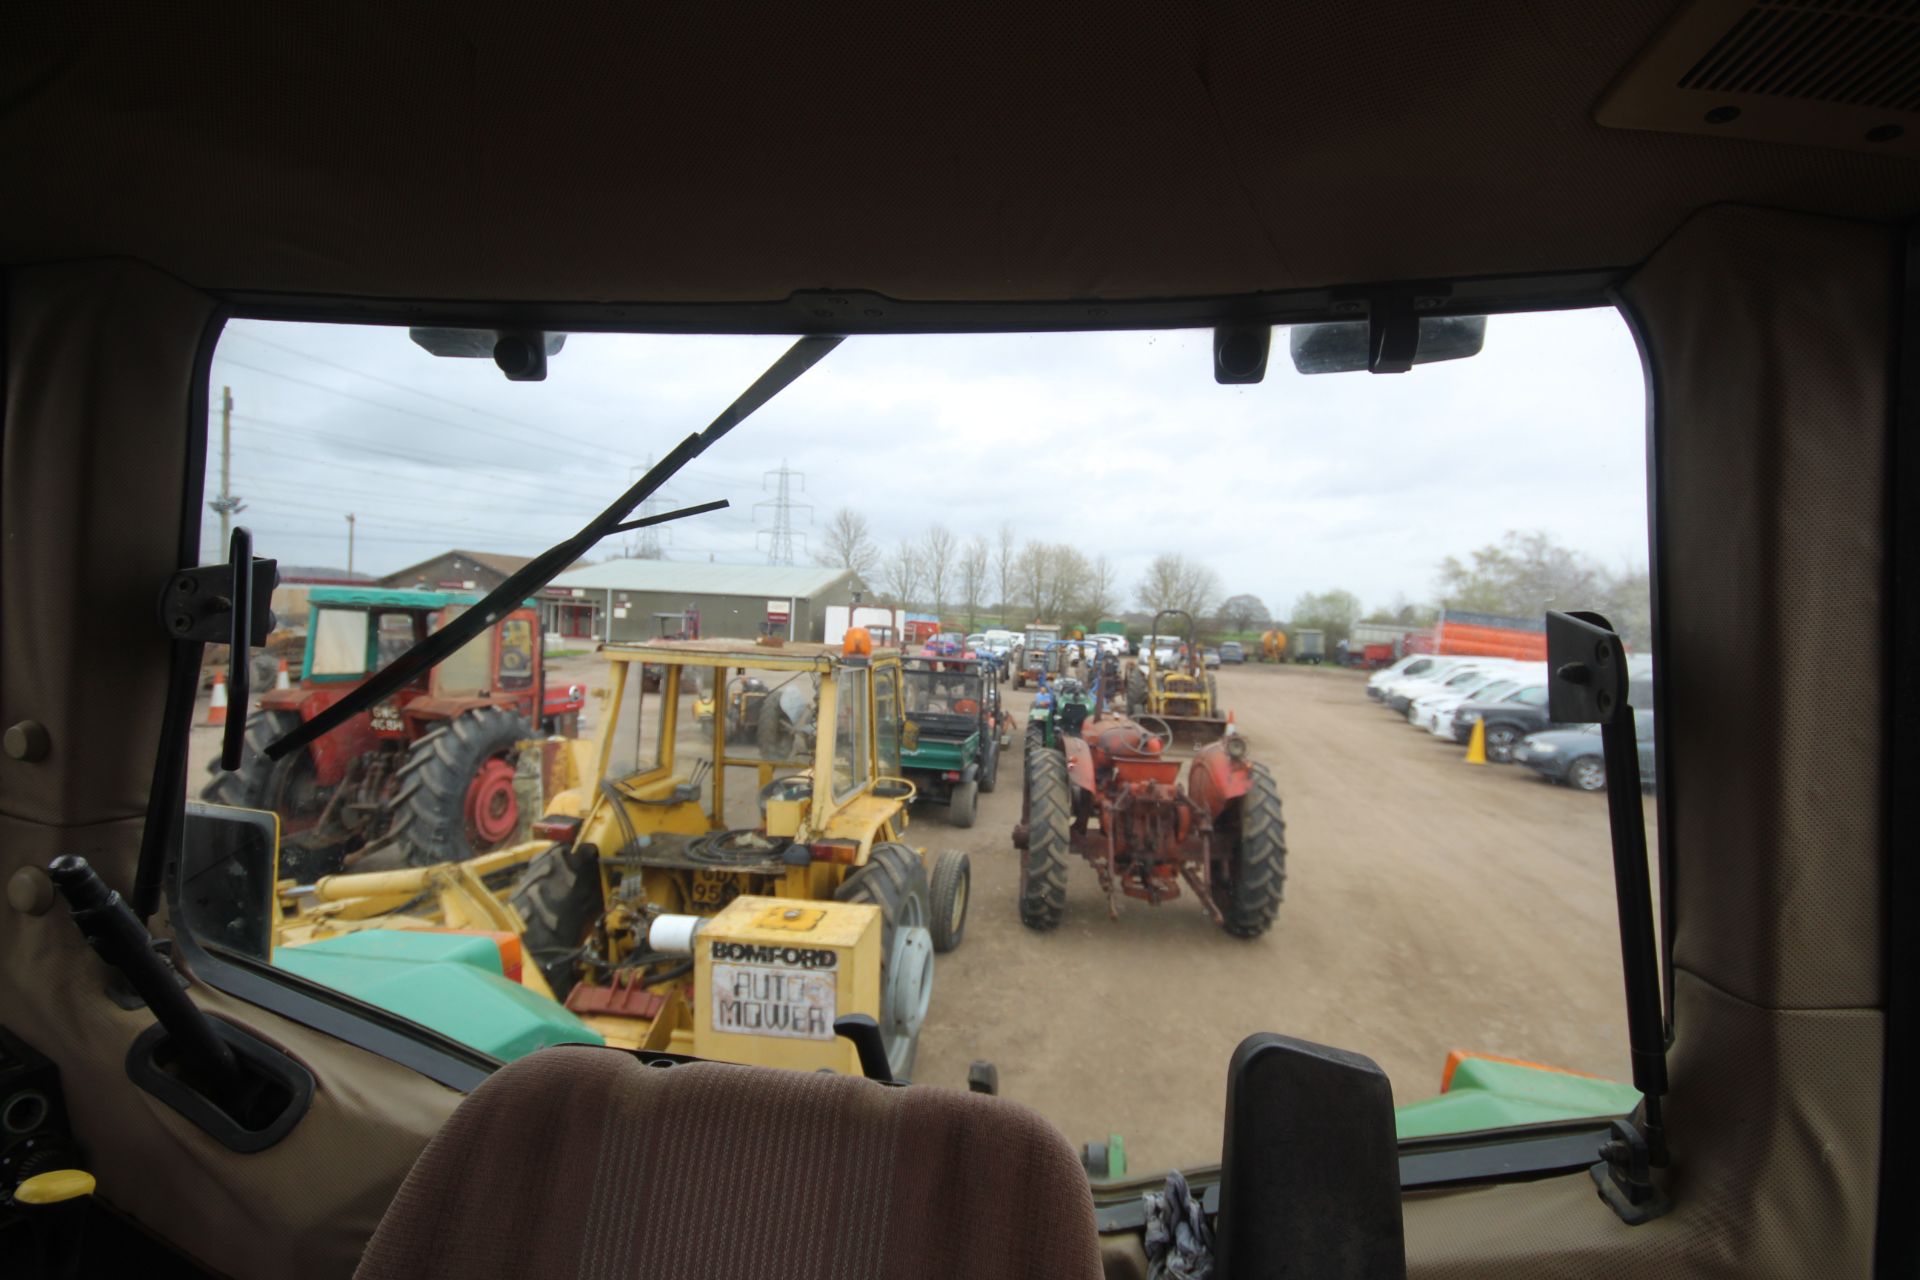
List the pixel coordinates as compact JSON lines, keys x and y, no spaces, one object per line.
{"x":349,"y":544}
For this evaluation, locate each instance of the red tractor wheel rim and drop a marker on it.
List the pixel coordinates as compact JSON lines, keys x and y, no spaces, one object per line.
{"x":493,"y":811}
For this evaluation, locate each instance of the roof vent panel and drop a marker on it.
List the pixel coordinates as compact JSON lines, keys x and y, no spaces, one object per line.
{"x":1823,"y":73}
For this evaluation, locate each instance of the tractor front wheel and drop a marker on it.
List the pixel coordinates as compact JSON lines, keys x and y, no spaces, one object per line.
{"x":1043,"y":864}
{"x":1248,"y":888}
{"x":895,"y":880}
{"x":455,"y":796}
{"x":952,"y":887}
{"x":558,"y":898}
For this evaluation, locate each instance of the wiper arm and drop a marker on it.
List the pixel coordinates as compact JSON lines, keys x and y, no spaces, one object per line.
{"x":546,"y":566}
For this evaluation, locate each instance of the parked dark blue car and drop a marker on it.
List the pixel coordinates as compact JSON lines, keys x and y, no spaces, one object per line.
{"x":1574,"y":756}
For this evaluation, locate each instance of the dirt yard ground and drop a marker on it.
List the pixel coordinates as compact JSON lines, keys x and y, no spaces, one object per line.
{"x":1430,"y":905}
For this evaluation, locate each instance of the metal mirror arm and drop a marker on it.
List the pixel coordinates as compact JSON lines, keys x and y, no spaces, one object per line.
{"x":1587,"y":684}
{"x":425,"y":654}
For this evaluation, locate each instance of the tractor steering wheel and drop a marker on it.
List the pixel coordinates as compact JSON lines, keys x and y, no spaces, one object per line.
{"x":1148,"y":729}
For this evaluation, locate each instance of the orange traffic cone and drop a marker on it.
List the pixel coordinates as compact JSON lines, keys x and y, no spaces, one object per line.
{"x":1477,"y":744}
{"x":217,"y":705}
{"x":280,"y":679}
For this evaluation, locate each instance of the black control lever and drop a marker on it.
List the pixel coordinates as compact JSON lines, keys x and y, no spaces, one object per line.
{"x":865,"y":1034}
{"x":113,"y":931}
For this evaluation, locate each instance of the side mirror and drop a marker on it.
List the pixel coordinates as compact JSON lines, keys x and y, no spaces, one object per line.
{"x":1348,"y":346}
{"x":225,"y":891}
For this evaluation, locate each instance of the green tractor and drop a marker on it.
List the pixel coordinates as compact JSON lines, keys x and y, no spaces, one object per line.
{"x":1058,"y":708}
{"x":955,"y":732}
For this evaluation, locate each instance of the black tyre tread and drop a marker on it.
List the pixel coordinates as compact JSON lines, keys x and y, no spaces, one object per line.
{"x":963,"y":806}
{"x":250,"y":786}
{"x":1036,"y":739}
{"x":891,"y":875}
{"x":990,"y":761}
{"x":1136,"y":691}
{"x":558,"y":897}
{"x":1260,"y":860}
{"x":1043,"y":895}
{"x":434,"y":778}
{"x":951,"y":870}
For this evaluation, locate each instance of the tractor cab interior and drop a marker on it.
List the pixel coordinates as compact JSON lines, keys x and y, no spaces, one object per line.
{"x":238,"y":943}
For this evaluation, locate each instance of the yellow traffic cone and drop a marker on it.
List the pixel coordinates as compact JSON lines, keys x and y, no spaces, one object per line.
{"x":1477,"y":744}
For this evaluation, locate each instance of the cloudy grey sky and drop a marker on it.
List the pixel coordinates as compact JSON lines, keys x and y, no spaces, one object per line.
{"x":1121,"y":443}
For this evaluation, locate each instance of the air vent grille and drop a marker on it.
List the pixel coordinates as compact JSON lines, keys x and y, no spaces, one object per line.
{"x":1858,"y":53}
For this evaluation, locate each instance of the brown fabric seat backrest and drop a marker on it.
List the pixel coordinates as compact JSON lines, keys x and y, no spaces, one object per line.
{"x":582,"y":1163}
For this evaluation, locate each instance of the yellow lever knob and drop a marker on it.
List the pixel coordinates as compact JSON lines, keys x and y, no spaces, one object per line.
{"x":54,"y":1186}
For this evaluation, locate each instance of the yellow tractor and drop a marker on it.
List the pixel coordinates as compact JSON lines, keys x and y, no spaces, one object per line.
{"x":1170,"y":682}
{"x":722,"y":899}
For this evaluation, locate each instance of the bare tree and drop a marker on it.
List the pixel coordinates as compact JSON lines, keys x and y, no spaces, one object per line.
{"x":1004,"y":559}
{"x":973,"y":577}
{"x":1175,"y":582}
{"x":900,"y":574}
{"x":936,"y":564}
{"x":1101,"y":594}
{"x":1242,"y":612}
{"x":1031,"y":571}
{"x":1067,"y":575}
{"x":849,"y":544}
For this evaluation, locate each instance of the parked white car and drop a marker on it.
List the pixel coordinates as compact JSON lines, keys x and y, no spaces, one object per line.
{"x":1461,"y":679}
{"x":1399,"y":694}
{"x":1437,"y":712}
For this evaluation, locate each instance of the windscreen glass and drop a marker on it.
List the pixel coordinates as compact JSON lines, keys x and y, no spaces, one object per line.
{"x":1409,"y":859}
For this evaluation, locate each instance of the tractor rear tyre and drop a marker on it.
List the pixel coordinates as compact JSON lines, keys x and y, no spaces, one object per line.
{"x":952,"y":888}
{"x":990,"y":759}
{"x":1043,"y":864}
{"x":287,"y":787}
{"x":1036,"y":740}
{"x":1255,"y":871}
{"x":963,"y":804}
{"x":895,"y":881}
{"x":776,"y":738}
{"x":455,"y":797}
{"x":1136,"y":691}
{"x":558,"y":896}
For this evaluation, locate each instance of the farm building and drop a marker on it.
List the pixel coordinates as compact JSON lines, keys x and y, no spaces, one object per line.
{"x":643,"y":599}
{"x":457,"y":571}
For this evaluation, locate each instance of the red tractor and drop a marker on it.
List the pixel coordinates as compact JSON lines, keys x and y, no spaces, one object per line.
{"x":424,"y":776}
{"x":1110,"y":794}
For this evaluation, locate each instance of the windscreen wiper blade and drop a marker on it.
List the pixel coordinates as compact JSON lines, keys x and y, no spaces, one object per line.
{"x":549,"y":564}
